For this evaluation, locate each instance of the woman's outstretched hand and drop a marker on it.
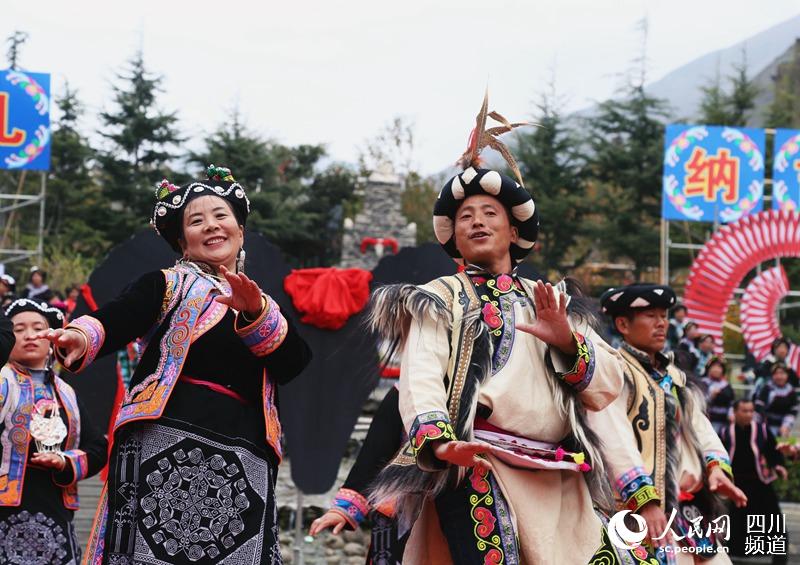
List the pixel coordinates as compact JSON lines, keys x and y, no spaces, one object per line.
{"x":246,"y":295}
{"x":331,"y":519}
{"x":72,"y":343}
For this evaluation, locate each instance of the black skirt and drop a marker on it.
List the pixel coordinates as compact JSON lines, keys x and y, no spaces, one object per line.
{"x":195,"y":486}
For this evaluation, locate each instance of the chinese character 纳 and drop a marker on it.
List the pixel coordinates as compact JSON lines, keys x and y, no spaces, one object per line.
{"x":709,"y":175}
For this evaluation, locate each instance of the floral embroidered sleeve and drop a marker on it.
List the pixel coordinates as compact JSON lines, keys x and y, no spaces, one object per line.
{"x":636,"y":489}
{"x":580,"y":373}
{"x":267,"y":332}
{"x":433,"y":426}
{"x":352,"y":505}
{"x":423,"y":398}
{"x":93,"y":333}
{"x":77,"y":468}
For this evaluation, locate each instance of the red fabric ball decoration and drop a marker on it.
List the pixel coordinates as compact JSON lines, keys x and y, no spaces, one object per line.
{"x":326,"y":296}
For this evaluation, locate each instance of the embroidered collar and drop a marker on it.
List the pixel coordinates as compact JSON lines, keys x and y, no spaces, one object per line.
{"x":49,"y":374}
{"x":662,"y":360}
{"x":474,"y":270}
{"x":207,"y":272}
{"x":497,"y":284}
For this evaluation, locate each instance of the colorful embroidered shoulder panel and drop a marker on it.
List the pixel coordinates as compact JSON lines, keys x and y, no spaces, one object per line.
{"x":15,"y":436}
{"x":18,"y":399}
{"x":148,"y":399}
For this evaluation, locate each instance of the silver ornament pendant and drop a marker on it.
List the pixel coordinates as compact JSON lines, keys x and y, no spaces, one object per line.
{"x":47,"y":428}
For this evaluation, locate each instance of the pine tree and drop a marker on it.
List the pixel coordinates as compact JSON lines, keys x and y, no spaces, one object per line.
{"x":733,"y":107}
{"x":742,"y":99}
{"x":784,"y":111}
{"x":418,"y":199}
{"x":141,"y":140}
{"x":714,"y":105}
{"x":548,"y":157}
{"x":626,"y":139}
{"x":296,"y":207}
{"x":75,"y":205}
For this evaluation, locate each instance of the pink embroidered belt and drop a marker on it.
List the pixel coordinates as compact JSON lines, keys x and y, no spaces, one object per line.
{"x":216,"y":387}
{"x":527,"y":453}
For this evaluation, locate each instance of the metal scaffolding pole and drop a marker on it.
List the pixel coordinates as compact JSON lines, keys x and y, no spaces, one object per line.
{"x":11,"y":203}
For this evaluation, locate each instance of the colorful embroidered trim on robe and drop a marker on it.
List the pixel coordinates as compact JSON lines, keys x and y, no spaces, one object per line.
{"x":267,"y":332}
{"x":580,"y":375}
{"x":430,"y":426}
{"x":17,"y":393}
{"x":271,"y":419}
{"x":352,"y":505}
{"x":487,"y":534}
{"x":714,"y":459}
{"x":15,"y":438}
{"x":636,"y":488}
{"x":507,"y":533}
{"x":148,"y":399}
{"x":66,"y":394}
{"x":97,"y":535}
{"x":95,"y":334}
{"x":641,"y":496}
{"x":79,"y":465}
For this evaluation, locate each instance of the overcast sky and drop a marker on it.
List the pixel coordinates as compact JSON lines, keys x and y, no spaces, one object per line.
{"x":336,"y":72}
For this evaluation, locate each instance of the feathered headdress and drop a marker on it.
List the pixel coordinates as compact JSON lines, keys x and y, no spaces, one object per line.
{"x":475,"y":180}
{"x":480,"y":137}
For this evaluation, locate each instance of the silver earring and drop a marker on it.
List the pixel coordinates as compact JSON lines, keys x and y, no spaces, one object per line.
{"x":240,"y":260}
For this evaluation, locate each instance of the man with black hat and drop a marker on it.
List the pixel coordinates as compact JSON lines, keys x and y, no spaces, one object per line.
{"x":496,"y":376}
{"x":680,"y":453}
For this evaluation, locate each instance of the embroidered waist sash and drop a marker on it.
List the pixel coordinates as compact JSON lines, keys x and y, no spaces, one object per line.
{"x":527,"y":453}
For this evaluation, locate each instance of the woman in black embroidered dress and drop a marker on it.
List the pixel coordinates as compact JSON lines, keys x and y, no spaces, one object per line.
{"x":47,"y":445}
{"x":191,"y":477}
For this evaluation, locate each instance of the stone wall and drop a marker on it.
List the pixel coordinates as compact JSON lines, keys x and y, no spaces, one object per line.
{"x":381,"y":217}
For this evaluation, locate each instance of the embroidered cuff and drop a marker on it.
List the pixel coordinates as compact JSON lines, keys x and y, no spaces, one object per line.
{"x":352,"y":505}
{"x":428,"y":427}
{"x":716,"y":459}
{"x":581,"y":373}
{"x":95,"y":335}
{"x":266,"y":333}
{"x":641,"y":497}
{"x":76,"y":469}
{"x":788,"y":421}
{"x":636,"y":488}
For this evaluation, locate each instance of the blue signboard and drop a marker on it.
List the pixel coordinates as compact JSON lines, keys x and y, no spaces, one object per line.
{"x":786,"y":170}
{"x":24,"y":120}
{"x":712,"y":173}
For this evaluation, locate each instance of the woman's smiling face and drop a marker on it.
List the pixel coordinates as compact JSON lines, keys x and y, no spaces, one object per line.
{"x":211,"y":233}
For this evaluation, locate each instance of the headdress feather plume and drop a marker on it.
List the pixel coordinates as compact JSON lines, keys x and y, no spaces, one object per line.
{"x":481,"y":137}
